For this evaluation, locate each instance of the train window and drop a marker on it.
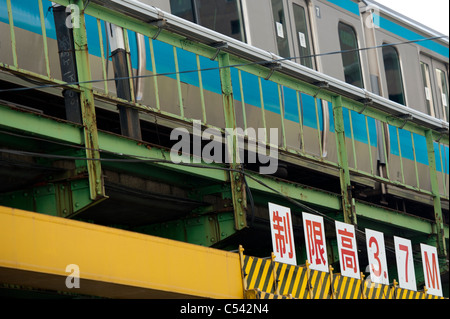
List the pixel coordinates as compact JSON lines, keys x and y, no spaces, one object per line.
{"x":301,"y":26}
{"x":223,"y":16}
{"x":350,"y":58}
{"x":443,"y":89}
{"x":183,"y":9}
{"x":280,"y":28}
{"x":393,"y":75}
{"x":427,"y":84}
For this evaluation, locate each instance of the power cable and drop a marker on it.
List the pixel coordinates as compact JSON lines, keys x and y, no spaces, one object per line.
{"x":214,"y":68}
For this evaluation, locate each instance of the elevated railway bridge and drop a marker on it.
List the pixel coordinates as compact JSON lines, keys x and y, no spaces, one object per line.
{"x":89,"y":192}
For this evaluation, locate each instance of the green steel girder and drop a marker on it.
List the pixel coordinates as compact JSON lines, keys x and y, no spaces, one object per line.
{"x":236,"y":179}
{"x":204,"y":230}
{"x":436,"y":194}
{"x":96,"y":182}
{"x":396,"y":219}
{"x":62,"y":199}
{"x":33,"y":124}
{"x":344,"y":172}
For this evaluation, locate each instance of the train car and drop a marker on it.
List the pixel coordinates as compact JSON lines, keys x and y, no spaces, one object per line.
{"x":326,"y":40}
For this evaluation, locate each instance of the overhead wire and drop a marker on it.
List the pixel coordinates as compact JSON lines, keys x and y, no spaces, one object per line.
{"x":263,"y":62}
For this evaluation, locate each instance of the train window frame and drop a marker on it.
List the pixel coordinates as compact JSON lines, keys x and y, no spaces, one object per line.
{"x":428,"y":87}
{"x":304,"y":36}
{"x":281,"y":29}
{"x":442,"y":86}
{"x":354,"y":55}
{"x":389,"y":79}
{"x":199,"y":17}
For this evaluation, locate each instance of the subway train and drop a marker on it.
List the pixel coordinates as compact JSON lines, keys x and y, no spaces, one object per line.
{"x":359,"y":47}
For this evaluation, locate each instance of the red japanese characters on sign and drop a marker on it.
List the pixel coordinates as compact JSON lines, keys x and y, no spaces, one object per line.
{"x":282,"y":234}
{"x":315,"y":242}
{"x":348,"y":252}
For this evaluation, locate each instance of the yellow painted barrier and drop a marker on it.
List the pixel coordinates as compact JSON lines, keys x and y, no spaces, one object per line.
{"x":35,"y":251}
{"x":300,"y":282}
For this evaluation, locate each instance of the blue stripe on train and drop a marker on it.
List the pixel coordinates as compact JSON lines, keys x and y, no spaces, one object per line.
{"x":347,"y":5}
{"x":26,"y":16}
{"x":410,"y":35}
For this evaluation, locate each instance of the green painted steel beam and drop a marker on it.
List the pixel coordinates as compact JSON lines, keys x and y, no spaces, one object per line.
{"x":96,"y":182}
{"x":238,"y":191}
{"x":436,"y":194}
{"x":397,"y":220}
{"x":133,"y":149}
{"x":36,"y":125}
{"x":304,"y":194}
{"x":62,"y":199}
{"x":204,"y":230}
{"x":344,"y":173}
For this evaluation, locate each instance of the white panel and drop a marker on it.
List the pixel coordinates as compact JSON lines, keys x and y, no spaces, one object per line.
{"x":405,"y":263}
{"x":282,"y":234}
{"x":431,"y":270}
{"x":377,"y":257}
{"x":348,"y":250}
{"x":316,"y":247}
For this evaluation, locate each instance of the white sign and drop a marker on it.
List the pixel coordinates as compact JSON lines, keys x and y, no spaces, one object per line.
{"x":302,"y":38}
{"x":282,"y":234}
{"x":280,"y":30}
{"x":315,"y":242}
{"x":405,"y":264}
{"x":377,"y":257}
{"x":348,"y":252}
{"x":427,"y":93}
{"x":431,"y":271}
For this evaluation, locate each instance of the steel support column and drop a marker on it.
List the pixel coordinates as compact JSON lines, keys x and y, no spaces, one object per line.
{"x":436,"y":194}
{"x":344,"y":172}
{"x":96,"y":182}
{"x":236,"y":179}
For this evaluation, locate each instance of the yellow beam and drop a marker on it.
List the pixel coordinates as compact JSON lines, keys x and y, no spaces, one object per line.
{"x":35,"y":250}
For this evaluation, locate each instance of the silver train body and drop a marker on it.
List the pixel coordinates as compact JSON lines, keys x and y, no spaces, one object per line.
{"x":308,"y":30}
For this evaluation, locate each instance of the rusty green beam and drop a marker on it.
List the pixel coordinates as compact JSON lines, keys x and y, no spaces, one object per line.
{"x":436,"y":194}
{"x":96,"y":182}
{"x":238,"y":191}
{"x":344,"y":171}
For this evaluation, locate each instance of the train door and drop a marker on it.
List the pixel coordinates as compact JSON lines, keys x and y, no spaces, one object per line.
{"x":429,"y":84}
{"x":314,"y":113}
{"x":298,"y":12}
{"x":439,"y":73}
{"x":282,"y":27}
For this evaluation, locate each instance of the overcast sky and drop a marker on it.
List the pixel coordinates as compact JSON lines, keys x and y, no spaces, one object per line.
{"x":432,"y":13}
